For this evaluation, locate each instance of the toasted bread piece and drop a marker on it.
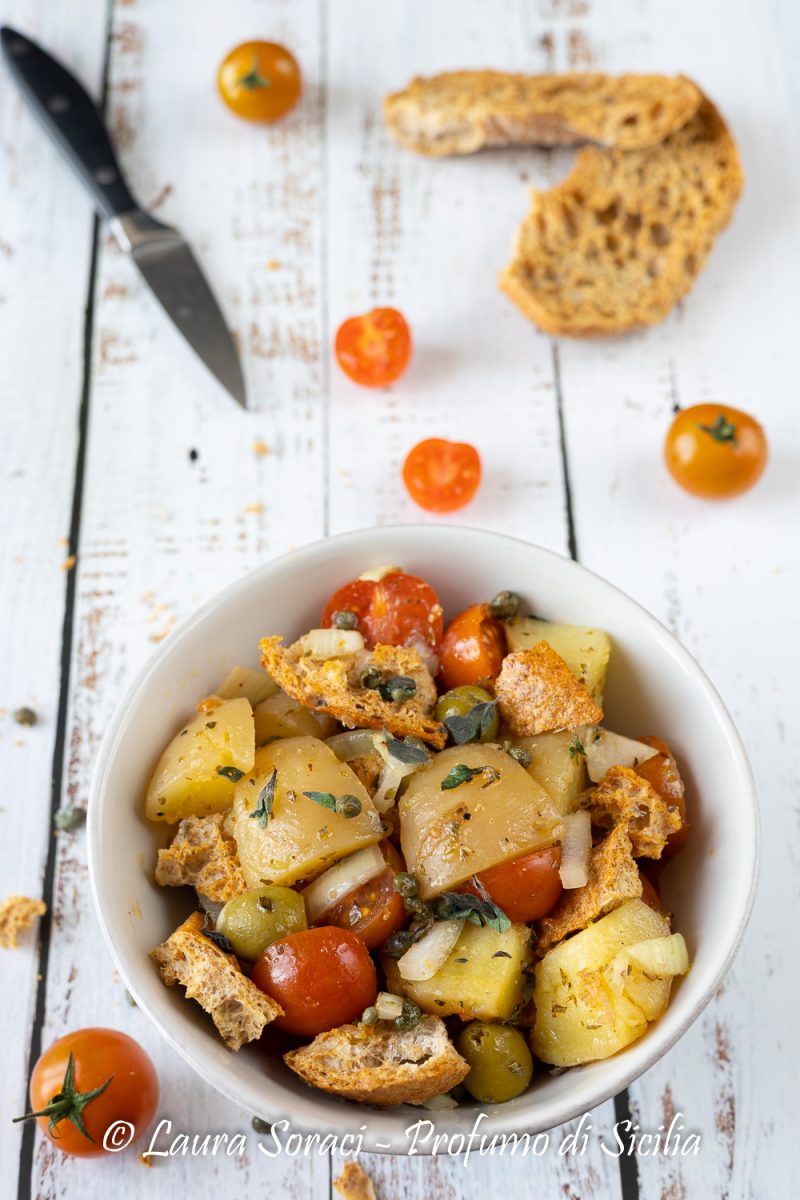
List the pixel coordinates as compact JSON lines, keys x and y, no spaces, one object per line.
{"x":202,"y":855}
{"x":215,"y":980}
{"x":334,"y":686}
{"x":378,"y":1064}
{"x":623,"y":238}
{"x":623,"y":798}
{"x":538,"y":693}
{"x":354,"y":1183}
{"x":16,"y":914}
{"x":613,"y":878}
{"x":460,"y":112}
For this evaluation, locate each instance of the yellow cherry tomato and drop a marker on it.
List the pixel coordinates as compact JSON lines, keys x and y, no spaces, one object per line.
{"x":715,"y":451}
{"x":260,"y":81}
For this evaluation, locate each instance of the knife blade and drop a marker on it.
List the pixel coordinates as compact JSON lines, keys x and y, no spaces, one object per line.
{"x":161,"y":254}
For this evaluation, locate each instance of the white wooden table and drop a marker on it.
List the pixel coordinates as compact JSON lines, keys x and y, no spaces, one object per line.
{"x":118,"y":449}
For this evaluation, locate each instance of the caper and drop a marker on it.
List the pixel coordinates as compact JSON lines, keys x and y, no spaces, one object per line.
{"x":500,"y":1062}
{"x":398,"y":689}
{"x":504,"y":606}
{"x":409,"y":1017}
{"x":396,"y":945}
{"x":260,"y":916}
{"x":470,"y":725}
{"x":418,"y":908}
{"x":370,"y":1016}
{"x":345,"y":619}
{"x":70,"y":817}
{"x":25,"y":716}
{"x":348,"y":806}
{"x":372,"y":678}
{"x":406,"y":884}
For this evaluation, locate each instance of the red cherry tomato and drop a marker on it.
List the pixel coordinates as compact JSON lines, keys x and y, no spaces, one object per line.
{"x":525,"y":888}
{"x":661,"y":772}
{"x":650,"y":894}
{"x":397,"y":610}
{"x":320,"y":977}
{"x":442,"y":476}
{"x":101,"y":1061}
{"x":472,"y":648}
{"x":374,"y":349}
{"x":374,"y":910}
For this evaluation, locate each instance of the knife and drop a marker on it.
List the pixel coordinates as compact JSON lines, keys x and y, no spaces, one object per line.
{"x":164,"y":259}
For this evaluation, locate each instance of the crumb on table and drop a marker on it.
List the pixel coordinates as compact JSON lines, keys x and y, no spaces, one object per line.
{"x":17,"y":913}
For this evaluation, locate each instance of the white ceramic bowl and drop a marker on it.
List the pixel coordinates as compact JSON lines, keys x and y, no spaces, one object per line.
{"x":653,"y":685}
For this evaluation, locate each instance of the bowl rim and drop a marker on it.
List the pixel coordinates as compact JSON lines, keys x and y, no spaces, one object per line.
{"x":307,"y":1116}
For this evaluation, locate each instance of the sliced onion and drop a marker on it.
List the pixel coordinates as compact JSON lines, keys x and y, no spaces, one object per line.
{"x":392,"y":775}
{"x":330,"y":643}
{"x":576,"y":846}
{"x":376,"y":574}
{"x":426,"y":653}
{"x":660,"y":957}
{"x":389,"y":1006}
{"x":431,"y":952}
{"x":347,"y":875}
{"x":605,"y":749}
{"x":353,"y":743}
{"x":255,"y":686}
{"x":443,"y":1103}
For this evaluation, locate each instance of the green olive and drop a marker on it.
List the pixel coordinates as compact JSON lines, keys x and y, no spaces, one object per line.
{"x":500,"y":1062}
{"x":460,"y":701}
{"x":254,"y":920}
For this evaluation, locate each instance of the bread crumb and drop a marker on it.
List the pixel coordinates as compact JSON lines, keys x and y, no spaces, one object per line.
{"x":144,"y":1159}
{"x":69,"y":562}
{"x":354,"y":1183}
{"x":260,"y":449}
{"x":254,"y":508}
{"x":18,"y":913}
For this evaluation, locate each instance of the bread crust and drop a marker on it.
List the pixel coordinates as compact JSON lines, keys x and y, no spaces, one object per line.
{"x":623,"y":798}
{"x":18,"y":913}
{"x":378,"y":1064}
{"x":619,"y":242}
{"x":215,"y":980}
{"x":538,"y":693}
{"x":354,"y":1183}
{"x":460,"y":112}
{"x":202,"y":855}
{"x":334,"y":686}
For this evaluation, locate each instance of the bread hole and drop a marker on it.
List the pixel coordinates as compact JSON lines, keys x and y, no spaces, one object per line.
{"x":690,"y":264}
{"x":660,"y":235}
{"x":633,"y":223}
{"x":605,"y":216}
{"x":569,"y":221}
{"x":612,"y":242}
{"x":631,"y":119}
{"x":657,"y":110}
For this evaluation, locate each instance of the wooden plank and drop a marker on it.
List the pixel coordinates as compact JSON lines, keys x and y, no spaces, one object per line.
{"x":164,"y":528}
{"x":45,"y":249}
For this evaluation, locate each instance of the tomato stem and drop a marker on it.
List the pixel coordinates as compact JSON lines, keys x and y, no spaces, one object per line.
{"x":722,"y":430}
{"x":252,"y":80}
{"x":68,"y":1104}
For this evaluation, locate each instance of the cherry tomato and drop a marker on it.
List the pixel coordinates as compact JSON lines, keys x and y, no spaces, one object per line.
{"x":715,"y":452}
{"x":321,"y":977}
{"x":525,"y":888}
{"x":650,"y":893}
{"x":85,"y":1083}
{"x":472,"y":648}
{"x":374,"y":349}
{"x":374,"y":910}
{"x":397,"y":610}
{"x":260,"y":81}
{"x":661,"y":772}
{"x":442,"y":476}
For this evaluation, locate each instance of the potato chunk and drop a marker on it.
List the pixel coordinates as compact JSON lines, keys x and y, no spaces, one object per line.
{"x":448,"y":835}
{"x":187,"y":780}
{"x":482,"y":978}
{"x":586,"y":651}
{"x":559,"y":770}
{"x":281,"y":716}
{"x":590,"y":1001}
{"x":300,"y":837}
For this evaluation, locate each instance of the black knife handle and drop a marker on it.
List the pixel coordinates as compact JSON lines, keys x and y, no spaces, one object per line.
{"x":71,"y":118}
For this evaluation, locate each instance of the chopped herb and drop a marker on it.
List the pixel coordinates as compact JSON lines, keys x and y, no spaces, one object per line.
{"x":410,"y":1016}
{"x":130,"y":999}
{"x":232,"y":773}
{"x":25,"y":716}
{"x":219,"y":939}
{"x":398,"y":689}
{"x":576,"y":747}
{"x":345,"y":619}
{"x":370,"y":1016}
{"x":501,"y":954}
{"x":473,"y":725}
{"x":504,"y":606}
{"x":406,"y":751}
{"x":460,"y":960}
{"x":459,"y":774}
{"x":266,"y":801}
{"x":348,"y":806}
{"x":70,"y":817}
{"x":722,"y":431}
{"x":454,"y":906}
{"x":520,"y":754}
{"x":211,"y":724}
{"x":326,"y":799}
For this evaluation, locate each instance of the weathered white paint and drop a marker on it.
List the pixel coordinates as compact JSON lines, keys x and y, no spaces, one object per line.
{"x":298,"y":227}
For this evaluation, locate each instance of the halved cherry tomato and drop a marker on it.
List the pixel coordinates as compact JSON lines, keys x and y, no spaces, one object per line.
{"x":95,"y":1078}
{"x":260,"y":81}
{"x":442,"y":476}
{"x":374,"y":910}
{"x":661,"y":772}
{"x":715,"y":452}
{"x":320,"y":977}
{"x":374,"y":349}
{"x":525,"y":888}
{"x":397,"y":610}
{"x":472,"y":648}
{"x":650,"y":893}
